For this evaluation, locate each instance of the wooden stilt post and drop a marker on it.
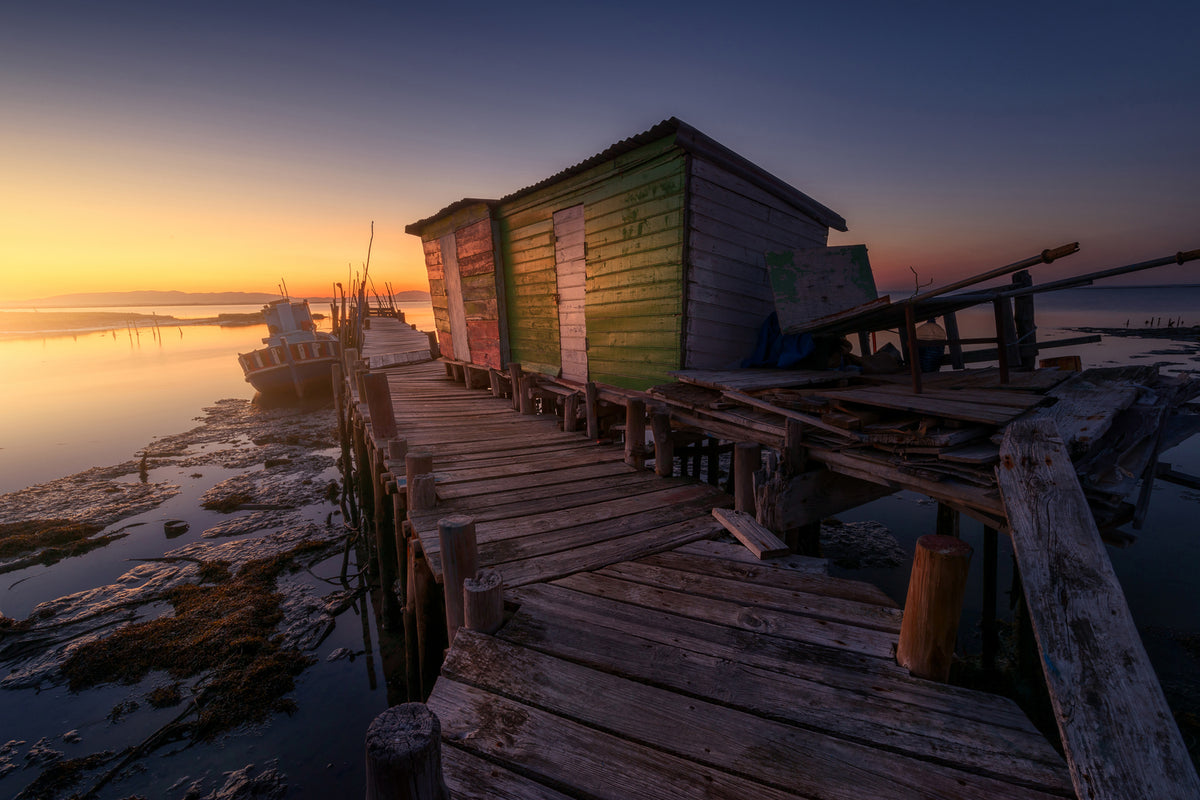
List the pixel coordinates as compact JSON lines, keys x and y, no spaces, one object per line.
{"x":422,"y":495}
{"x":525,"y":392}
{"x":795,"y":455}
{"x":494,"y":381}
{"x":950,"y":322}
{"x":933,"y":606}
{"x":460,"y":557}
{"x":592,"y":410}
{"x":571,"y":412}
{"x":379,"y":403}
{"x":635,"y":432}
{"x":1026,"y":329}
{"x":991,"y":639}
{"x":424,"y":605}
{"x":947,"y":521}
{"x":514,"y":377}
{"x":747,"y":458}
{"x":483,"y":602}
{"x":664,"y":448}
{"x":404,"y":755}
{"x":713,"y":466}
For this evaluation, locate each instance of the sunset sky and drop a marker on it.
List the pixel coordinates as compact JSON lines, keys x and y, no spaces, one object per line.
{"x":225,"y":145}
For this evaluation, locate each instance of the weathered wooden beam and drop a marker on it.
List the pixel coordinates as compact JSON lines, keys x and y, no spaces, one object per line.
{"x":1118,"y":734}
{"x":592,"y":410}
{"x":758,"y":540}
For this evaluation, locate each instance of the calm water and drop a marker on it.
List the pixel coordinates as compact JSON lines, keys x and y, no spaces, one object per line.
{"x":72,"y":402}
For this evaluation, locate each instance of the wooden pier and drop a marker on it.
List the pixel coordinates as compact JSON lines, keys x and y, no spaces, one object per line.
{"x":643,"y":656}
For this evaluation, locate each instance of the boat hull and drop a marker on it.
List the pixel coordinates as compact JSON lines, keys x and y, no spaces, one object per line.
{"x":298,"y":369}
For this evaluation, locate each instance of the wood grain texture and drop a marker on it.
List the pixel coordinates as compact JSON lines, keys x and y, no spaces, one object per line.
{"x":1120,"y":738}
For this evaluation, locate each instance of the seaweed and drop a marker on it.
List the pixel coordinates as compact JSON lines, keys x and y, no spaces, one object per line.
{"x":63,"y":774}
{"x":48,"y":541}
{"x":223,"y":631}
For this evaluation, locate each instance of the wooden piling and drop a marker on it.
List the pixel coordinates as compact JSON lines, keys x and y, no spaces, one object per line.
{"x":525,"y":398}
{"x":948,"y":521}
{"x":424,"y":602}
{"x":747,"y":457}
{"x":635,"y":432}
{"x":460,"y":559}
{"x":379,"y":403}
{"x":1023,"y":319}
{"x":417,"y":462}
{"x":404,"y":755}
{"x":664,"y":448}
{"x":422,"y":494}
{"x":483,"y":602}
{"x":933,"y":606}
{"x":571,"y":412}
{"x":592,"y":397}
{"x":494,"y":382}
{"x":514,"y":376}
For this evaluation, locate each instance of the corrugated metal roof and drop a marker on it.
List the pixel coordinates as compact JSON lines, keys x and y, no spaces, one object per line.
{"x":690,"y":140}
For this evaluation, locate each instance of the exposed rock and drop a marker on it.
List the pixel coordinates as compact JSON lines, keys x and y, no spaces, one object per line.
{"x":860,"y":545}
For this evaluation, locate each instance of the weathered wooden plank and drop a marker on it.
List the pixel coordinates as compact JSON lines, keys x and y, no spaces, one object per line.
{"x":608,"y":549}
{"x":823,"y":633}
{"x":925,"y":403}
{"x":559,"y":751}
{"x":749,"y":380}
{"x":469,"y":777}
{"x":729,"y":551}
{"x":1117,"y":730}
{"x":804,"y":602}
{"x":1087,"y":405}
{"x":555,"y":477}
{"x":758,"y":539}
{"x":873,"y":717}
{"x":774,"y":573}
{"x":830,"y":666}
{"x":688,"y":728}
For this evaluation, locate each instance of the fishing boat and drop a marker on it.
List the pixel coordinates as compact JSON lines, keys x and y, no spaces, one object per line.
{"x":297,"y":357}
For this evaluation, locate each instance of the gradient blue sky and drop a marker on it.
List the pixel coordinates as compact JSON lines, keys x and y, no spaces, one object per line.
{"x":221,"y":146}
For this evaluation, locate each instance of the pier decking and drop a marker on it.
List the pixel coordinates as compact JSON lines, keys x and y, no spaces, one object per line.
{"x":645,"y":658}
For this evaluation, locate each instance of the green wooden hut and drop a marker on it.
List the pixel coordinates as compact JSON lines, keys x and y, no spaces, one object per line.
{"x":646,"y":258}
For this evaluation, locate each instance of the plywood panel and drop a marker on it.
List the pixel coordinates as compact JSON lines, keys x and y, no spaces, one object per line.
{"x":813,"y":283}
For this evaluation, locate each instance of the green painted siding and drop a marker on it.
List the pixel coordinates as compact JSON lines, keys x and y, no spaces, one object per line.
{"x":633,"y":228}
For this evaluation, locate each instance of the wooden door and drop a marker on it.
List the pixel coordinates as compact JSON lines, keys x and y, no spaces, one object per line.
{"x":454,"y":299}
{"x":571,"y":272}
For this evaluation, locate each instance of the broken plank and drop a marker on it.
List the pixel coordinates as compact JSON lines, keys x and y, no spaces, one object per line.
{"x":1118,"y":733}
{"x":758,"y":540}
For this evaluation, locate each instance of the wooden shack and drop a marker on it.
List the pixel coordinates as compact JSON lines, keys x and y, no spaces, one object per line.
{"x":646,"y":258}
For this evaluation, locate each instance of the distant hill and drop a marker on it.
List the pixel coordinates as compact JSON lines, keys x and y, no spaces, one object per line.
{"x":170,"y":298}
{"x":145,"y":298}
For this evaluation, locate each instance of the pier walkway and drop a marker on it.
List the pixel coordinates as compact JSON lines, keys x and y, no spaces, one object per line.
{"x":645,"y":657}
